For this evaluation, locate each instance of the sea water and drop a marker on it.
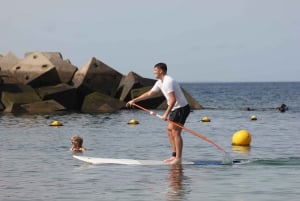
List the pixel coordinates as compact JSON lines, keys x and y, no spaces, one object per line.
{"x":36,"y":164}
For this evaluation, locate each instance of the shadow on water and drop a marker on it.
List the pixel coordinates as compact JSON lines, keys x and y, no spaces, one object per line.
{"x":289,"y":161}
{"x":236,"y":108}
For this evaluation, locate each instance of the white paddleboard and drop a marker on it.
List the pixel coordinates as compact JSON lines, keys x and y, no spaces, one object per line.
{"x":95,"y":161}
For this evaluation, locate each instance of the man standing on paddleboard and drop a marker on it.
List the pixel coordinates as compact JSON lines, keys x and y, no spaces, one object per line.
{"x":177,"y":111}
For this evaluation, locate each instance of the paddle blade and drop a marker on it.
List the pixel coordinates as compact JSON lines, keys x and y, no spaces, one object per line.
{"x":227,"y":159}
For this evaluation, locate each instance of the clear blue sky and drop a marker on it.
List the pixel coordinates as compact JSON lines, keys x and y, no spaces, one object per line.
{"x":212,"y":40}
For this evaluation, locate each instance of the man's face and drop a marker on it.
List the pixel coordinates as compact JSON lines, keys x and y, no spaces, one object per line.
{"x":157,"y":72}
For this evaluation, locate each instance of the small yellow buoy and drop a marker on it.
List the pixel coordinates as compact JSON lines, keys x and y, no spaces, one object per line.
{"x":205,"y":119}
{"x":133,"y":121}
{"x":56,"y":123}
{"x":241,"y":138}
{"x":253,"y":118}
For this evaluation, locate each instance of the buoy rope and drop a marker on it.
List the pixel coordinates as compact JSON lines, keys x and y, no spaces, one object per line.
{"x":184,"y":128}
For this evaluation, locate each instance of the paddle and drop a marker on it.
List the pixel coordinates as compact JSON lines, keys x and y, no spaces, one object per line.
{"x":227,"y":157}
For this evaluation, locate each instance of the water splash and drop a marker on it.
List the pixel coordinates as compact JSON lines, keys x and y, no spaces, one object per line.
{"x":227,"y":159}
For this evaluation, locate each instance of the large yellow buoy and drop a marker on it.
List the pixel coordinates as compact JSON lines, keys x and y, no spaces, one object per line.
{"x":205,"y":119}
{"x":56,"y":123}
{"x":241,"y":138}
{"x":133,"y":122}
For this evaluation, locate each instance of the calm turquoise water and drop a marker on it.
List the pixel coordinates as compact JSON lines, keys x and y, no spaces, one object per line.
{"x":36,"y":164}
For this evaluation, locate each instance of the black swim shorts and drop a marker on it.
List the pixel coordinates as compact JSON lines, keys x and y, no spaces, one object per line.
{"x":180,"y":115}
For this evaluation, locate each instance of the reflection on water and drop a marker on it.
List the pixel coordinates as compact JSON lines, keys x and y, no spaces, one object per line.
{"x":178,"y":186}
{"x":244,"y":150}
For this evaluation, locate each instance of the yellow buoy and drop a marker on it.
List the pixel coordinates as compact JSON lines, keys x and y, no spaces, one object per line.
{"x":133,"y":121}
{"x":56,"y":123}
{"x":241,"y":138}
{"x":205,"y":119}
{"x":253,"y":118}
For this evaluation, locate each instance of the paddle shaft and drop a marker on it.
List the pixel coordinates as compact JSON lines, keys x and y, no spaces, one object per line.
{"x":183,"y":127}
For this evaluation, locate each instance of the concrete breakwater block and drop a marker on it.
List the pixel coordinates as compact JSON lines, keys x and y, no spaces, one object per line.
{"x":35,"y":70}
{"x":63,"y":93}
{"x":132,"y":81}
{"x":97,"y":102}
{"x":12,"y":100}
{"x":63,"y":67}
{"x":192,"y":102}
{"x":97,"y":76}
{"x":6,"y":63}
{"x":48,"y":106}
{"x":48,"y":55}
{"x":151,"y":103}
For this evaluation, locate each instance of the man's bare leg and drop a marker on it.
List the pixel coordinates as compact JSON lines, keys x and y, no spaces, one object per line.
{"x":178,"y":142}
{"x":172,"y":143}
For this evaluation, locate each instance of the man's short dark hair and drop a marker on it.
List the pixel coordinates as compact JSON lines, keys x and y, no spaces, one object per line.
{"x":162,"y":66}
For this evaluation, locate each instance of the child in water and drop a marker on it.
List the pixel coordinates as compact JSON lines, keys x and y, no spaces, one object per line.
{"x":77,"y":142}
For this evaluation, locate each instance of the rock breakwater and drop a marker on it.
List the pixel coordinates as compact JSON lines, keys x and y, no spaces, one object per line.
{"x":45,"y":82}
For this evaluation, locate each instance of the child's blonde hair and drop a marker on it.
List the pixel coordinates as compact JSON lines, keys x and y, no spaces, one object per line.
{"x":78,"y":139}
